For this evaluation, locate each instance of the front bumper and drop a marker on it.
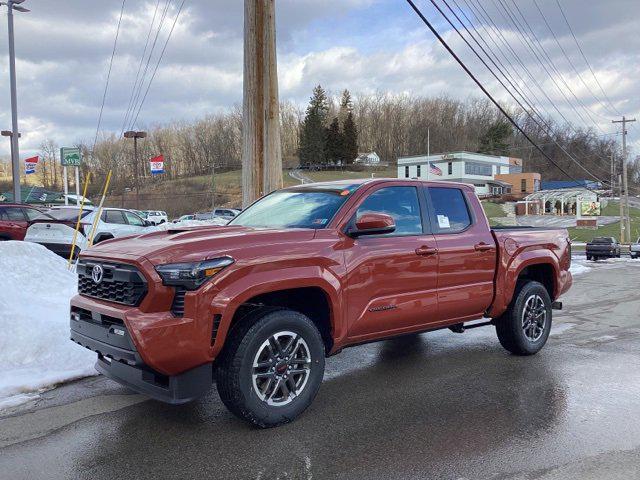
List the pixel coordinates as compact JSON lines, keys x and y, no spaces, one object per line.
{"x":119,"y":360}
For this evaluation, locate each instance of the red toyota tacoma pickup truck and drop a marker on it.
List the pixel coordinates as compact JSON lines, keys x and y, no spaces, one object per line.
{"x":304,"y":272}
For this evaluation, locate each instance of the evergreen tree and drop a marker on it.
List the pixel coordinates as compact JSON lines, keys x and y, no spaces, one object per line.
{"x":335,"y":142}
{"x":494,"y":141}
{"x":346,"y":106}
{"x":350,"y":139}
{"x":313,"y":132}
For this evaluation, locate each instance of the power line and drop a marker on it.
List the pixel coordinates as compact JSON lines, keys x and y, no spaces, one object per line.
{"x":158,"y":63}
{"x":584,"y":57}
{"x":135,"y":82}
{"x":491,"y":25}
{"x":564,"y":52}
{"x":485,"y":91}
{"x":505,"y":86}
{"x":106,"y":85}
{"x":146,"y":67}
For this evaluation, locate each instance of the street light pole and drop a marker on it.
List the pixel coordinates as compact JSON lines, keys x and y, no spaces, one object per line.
{"x":136,"y":135}
{"x":15,"y":152}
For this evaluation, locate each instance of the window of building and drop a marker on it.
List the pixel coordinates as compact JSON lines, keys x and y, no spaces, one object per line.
{"x":399,"y":202}
{"x":418,"y":171}
{"x":450,"y":168}
{"x":523,"y":185}
{"x":475,"y":168}
{"x":515,"y":168}
{"x":450,"y":209}
{"x":406,"y":171}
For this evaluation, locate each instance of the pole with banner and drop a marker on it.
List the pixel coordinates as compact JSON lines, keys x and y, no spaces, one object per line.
{"x":70,"y":157}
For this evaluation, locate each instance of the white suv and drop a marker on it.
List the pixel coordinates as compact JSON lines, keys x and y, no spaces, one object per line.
{"x":55,"y":230}
{"x":156,"y":217}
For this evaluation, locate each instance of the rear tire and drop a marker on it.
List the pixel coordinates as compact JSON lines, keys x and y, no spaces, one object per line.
{"x":271,"y":367}
{"x":524,"y":328}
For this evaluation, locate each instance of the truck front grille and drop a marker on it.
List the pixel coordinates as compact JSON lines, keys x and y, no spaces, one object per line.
{"x":118,"y":283}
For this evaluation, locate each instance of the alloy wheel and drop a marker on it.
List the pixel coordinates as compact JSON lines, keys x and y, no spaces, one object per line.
{"x":281,"y":368}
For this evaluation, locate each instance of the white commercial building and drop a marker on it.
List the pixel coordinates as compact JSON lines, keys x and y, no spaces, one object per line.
{"x":466,"y":167}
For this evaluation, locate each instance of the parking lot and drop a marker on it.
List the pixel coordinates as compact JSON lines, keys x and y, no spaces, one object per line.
{"x":438,"y":405}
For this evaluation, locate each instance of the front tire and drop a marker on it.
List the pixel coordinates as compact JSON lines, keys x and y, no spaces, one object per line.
{"x":272,"y":367}
{"x":524,"y":328}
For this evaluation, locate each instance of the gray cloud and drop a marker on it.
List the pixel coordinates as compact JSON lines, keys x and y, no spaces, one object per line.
{"x":64,"y":49}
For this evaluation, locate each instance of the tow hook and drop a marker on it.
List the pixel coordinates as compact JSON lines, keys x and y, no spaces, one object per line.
{"x":556,"y":305}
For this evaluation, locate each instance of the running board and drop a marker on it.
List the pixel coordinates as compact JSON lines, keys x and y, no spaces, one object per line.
{"x":461,"y":327}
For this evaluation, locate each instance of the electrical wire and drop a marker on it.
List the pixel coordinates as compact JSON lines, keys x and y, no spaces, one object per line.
{"x":539,"y":124}
{"x":486,"y":92}
{"x":106,"y":85}
{"x":135,"y":82}
{"x":488,"y":21}
{"x":158,"y":63}
{"x":148,"y":62}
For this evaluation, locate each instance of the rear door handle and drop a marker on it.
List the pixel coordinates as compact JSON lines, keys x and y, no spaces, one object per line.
{"x":425,"y":250}
{"x":482,"y":247}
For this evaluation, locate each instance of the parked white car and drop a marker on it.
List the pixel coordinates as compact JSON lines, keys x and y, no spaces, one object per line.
{"x":634,"y":249}
{"x":226,"y":213}
{"x":56,"y":233}
{"x":156,"y":217}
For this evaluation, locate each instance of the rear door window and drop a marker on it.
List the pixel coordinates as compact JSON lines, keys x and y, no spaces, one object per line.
{"x":13,"y":214}
{"x":114,"y":216}
{"x":450,"y":210}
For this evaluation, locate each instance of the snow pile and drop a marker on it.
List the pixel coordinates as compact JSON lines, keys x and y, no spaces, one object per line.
{"x":579,"y":266}
{"x":216,"y":221}
{"x":35,"y":350}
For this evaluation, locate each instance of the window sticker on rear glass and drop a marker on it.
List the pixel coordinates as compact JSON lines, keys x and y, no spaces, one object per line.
{"x":443,"y":221}
{"x":320,"y":221}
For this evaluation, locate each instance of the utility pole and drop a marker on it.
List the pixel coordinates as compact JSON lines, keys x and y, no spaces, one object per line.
{"x":622,"y":222}
{"x":15,"y":152}
{"x":261,"y":150}
{"x":627,"y":221}
{"x":136,"y":136}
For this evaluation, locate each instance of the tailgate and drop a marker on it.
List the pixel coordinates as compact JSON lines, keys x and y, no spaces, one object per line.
{"x":53,"y":232}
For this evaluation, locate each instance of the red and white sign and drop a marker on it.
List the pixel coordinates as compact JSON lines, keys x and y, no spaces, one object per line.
{"x":30,"y":165}
{"x":157,"y":165}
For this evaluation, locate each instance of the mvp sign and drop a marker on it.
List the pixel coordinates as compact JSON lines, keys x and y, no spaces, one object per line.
{"x":70,"y":157}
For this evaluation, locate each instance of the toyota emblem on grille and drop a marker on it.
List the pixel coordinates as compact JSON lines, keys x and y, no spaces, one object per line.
{"x":96,"y":274}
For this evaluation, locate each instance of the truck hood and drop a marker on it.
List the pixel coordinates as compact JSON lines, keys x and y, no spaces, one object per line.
{"x":198,"y":243}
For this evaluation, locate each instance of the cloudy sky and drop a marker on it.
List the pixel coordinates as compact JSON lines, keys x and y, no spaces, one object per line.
{"x":64,"y":47}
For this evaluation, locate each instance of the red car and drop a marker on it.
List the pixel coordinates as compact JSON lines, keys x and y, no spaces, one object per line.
{"x":301,"y":274}
{"x":15,"y":219}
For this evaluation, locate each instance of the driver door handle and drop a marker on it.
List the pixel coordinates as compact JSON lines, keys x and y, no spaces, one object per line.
{"x":426,"y":250}
{"x":482,"y":247}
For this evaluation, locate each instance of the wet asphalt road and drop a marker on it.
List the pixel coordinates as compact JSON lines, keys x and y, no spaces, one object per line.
{"x":438,"y":405}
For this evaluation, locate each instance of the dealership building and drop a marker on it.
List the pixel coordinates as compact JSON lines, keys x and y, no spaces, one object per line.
{"x":490,"y":174}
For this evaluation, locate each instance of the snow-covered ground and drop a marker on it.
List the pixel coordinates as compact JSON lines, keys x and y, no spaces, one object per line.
{"x":35,"y":350}
{"x":579,"y":265}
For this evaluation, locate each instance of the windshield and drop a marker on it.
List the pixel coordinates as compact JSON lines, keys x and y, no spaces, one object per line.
{"x":63,"y":214}
{"x":311,"y":207}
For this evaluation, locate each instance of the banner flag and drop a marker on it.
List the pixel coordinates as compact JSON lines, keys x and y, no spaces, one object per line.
{"x":157,"y":165}
{"x":30,"y":165}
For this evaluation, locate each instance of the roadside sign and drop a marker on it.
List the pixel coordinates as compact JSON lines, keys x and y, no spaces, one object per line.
{"x":70,"y":157}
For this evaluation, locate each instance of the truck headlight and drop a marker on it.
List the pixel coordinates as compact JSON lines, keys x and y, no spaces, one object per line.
{"x":191,"y":275}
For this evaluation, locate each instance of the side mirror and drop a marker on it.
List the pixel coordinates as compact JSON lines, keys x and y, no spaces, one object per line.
{"x":147,"y":223}
{"x":373,"y":224}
